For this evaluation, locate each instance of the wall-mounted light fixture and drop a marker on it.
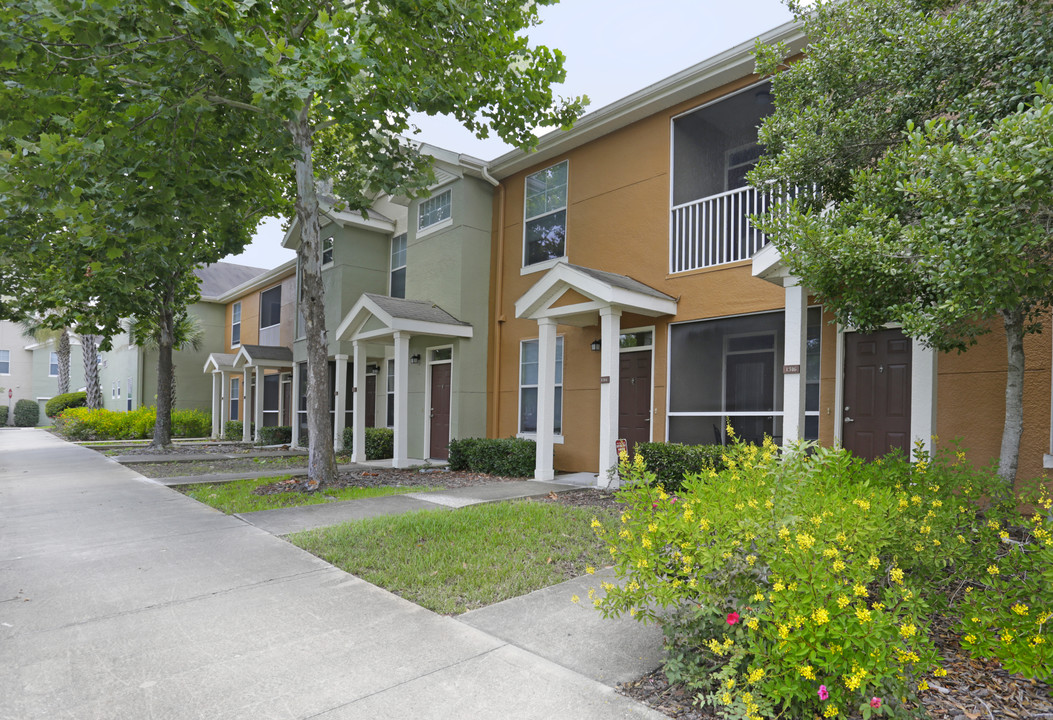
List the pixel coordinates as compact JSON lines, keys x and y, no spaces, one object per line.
{"x":415,"y":359}
{"x":372,"y":369}
{"x":595,"y":345}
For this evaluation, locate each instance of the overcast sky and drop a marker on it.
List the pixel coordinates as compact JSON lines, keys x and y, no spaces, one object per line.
{"x":613,"y":48}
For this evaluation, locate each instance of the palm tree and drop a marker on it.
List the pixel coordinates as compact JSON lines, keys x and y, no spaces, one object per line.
{"x":188,"y":333}
{"x":90,"y":347}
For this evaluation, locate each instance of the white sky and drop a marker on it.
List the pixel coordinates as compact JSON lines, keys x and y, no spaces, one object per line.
{"x":613,"y":48}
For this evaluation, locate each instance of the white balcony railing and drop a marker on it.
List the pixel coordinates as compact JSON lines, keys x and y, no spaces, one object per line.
{"x":716,"y":230}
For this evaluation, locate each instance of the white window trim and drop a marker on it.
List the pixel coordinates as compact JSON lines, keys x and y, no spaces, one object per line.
{"x":445,"y":223}
{"x":642,"y":348}
{"x":556,"y":438}
{"x":545,"y":264}
{"x":427,"y":392}
{"x":232,"y":324}
{"x":391,"y":259}
{"x":542,"y":266}
{"x":50,"y":374}
{"x":235,"y":396}
{"x":389,"y":389}
{"x":328,"y":243}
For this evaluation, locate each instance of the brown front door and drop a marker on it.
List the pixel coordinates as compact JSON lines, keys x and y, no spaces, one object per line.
{"x":371,"y":400}
{"x":877,"y":393}
{"x":634,"y":397}
{"x":440,"y":412}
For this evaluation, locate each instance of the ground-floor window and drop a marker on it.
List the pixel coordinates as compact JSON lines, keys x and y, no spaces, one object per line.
{"x":391,"y":393}
{"x":271,"y":391}
{"x":528,"y":388}
{"x":301,"y":391}
{"x":729,"y":372}
{"x":235,"y":397}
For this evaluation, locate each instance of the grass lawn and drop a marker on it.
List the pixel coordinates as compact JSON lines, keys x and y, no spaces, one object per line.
{"x":237,"y":497}
{"x":455,"y":561}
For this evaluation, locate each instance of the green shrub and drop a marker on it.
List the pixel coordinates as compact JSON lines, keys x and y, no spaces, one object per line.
{"x":233,"y":429}
{"x":670,"y":462}
{"x":80,"y":423}
{"x":3,"y":415}
{"x":380,"y":442}
{"x":191,"y":423}
{"x":507,"y":457}
{"x":460,"y":452}
{"x":66,"y":400}
{"x":27,"y":413}
{"x":276,"y":435}
{"x":800,"y":584}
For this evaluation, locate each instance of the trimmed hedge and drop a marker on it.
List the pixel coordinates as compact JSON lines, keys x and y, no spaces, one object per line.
{"x":506,"y":457}
{"x":27,"y":413}
{"x":232,"y":429}
{"x":275,"y":435}
{"x":380,"y":442}
{"x":670,"y":462}
{"x":66,"y":400}
{"x":83,"y":424}
{"x":3,"y":415}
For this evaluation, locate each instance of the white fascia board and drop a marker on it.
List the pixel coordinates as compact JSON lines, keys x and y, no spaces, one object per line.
{"x":260,"y":281}
{"x":357,"y":316}
{"x":768,"y":265}
{"x":721,"y":69}
{"x":421,"y":327}
{"x":642,"y":304}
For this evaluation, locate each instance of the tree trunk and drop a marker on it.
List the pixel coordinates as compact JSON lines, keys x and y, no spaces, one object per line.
{"x":1014,"y":397}
{"x":90,"y":346}
{"x":165,"y":341}
{"x":63,"y":362}
{"x":321,"y":460}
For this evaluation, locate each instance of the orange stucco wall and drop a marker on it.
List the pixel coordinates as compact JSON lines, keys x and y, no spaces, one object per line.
{"x":250,"y":314}
{"x":618,"y":221}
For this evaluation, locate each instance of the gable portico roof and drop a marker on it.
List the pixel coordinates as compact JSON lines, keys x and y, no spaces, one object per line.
{"x":601,"y":290}
{"x":272,"y":356}
{"x":417,"y":317}
{"x":219,"y":362}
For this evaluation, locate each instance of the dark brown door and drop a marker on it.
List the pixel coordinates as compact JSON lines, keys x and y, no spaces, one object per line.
{"x":371,"y":400}
{"x":877,"y":393}
{"x":634,"y":397}
{"x":440,"y":412}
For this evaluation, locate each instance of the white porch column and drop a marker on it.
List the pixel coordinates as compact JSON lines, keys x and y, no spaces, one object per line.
{"x":224,"y":404}
{"x":295,"y":414}
{"x":795,"y":353}
{"x":610,"y":344}
{"x":281,"y":397}
{"x":923,"y":395}
{"x":258,"y":415}
{"x":246,"y":421}
{"x":401,"y":439}
{"x":358,"y":442}
{"x":217,"y":405}
{"x":546,"y":398}
{"x":339,"y":416}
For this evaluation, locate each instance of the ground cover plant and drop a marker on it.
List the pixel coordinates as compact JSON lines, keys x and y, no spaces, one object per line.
{"x":452,"y":562}
{"x":240,"y":496}
{"x":804,"y":584}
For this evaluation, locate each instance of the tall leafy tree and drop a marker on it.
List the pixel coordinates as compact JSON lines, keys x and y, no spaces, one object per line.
{"x":920,"y":127}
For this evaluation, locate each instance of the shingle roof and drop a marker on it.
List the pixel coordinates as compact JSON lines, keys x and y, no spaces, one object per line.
{"x":621,"y":281}
{"x":421,"y":310}
{"x":268,"y":352}
{"x":220,"y":277}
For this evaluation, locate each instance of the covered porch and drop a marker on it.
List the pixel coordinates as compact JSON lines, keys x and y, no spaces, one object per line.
{"x":269,"y":400}
{"x":381,"y":328}
{"x":583,"y":297}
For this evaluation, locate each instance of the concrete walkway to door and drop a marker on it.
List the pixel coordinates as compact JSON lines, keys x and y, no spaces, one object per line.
{"x":120,"y":598}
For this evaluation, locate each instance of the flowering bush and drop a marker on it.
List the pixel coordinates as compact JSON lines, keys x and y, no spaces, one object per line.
{"x":801,"y":584}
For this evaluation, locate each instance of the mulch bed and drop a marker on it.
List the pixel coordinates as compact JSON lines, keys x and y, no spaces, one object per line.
{"x":390,"y":477}
{"x":179,"y":449}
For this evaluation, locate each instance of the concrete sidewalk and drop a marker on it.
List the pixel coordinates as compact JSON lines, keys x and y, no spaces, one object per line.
{"x":120,"y":598}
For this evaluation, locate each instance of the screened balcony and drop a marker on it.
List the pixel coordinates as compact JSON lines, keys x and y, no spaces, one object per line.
{"x":714,"y":147}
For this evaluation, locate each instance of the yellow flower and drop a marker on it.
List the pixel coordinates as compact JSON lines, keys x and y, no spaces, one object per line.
{"x":645,"y":542}
{"x":758,"y":597}
{"x":843,"y":601}
{"x":729,"y":683}
{"x":860,"y":590}
{"x":830,"y":712}
{"x":923,"y":686}
{"x":1019,"y":609}
{"x":896,"y":574}
{"x":807,"y":672}
{"x":863,"y":614}
{"x":873,"y":561}
{"x":596,"y":523}
{"x":755,"y":675}
{"x":992,"y":570}
{"x":839,"y":565}
{"x":821,"y":616}
{"x":907,"y":630}
{"x":590,"y":570}
{"x":939,"y":672}
{"x":751,"y":559}
{"x":753,"y":623}
{"x":575,"y":599}
{"x":778,"y":586}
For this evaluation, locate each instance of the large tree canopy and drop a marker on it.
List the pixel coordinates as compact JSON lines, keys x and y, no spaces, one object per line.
{"x":921,"y":130}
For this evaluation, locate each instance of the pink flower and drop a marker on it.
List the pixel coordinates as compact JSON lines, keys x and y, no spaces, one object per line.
{"x":733,"y":618}
{"x":823,"y":694}
{"x":875,"y":702}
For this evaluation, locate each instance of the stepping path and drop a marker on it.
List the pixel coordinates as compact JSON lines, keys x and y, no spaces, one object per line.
{"x":120,"y":598}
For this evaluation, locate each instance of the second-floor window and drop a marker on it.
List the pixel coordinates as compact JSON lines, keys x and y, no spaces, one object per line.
{"x":5,"y":362}
{"x":235,"y":324}
{"x":434,"y":210}
{"x":53,"y":365}
{"x":398,"y":266}
{"x":270,"y":315}
{"x":545,"y":215}
{"x":327,"y":250}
